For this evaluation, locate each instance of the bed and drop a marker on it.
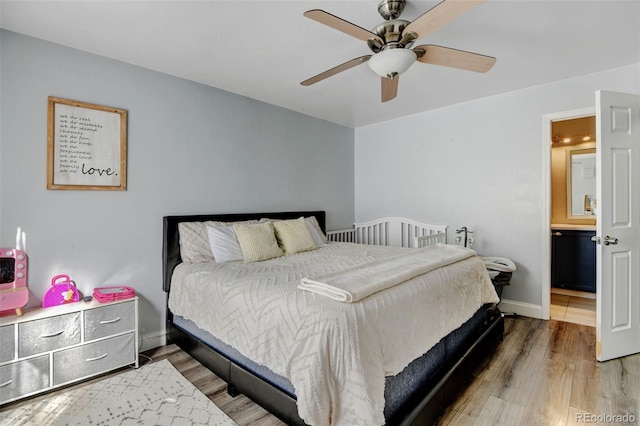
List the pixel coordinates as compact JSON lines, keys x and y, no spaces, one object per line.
{"x":416,"y":393}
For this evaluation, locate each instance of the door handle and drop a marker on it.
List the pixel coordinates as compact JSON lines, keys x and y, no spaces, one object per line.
{"x":610,"y":240}
{"x":556,"y":234}
{"x":595,"y":239}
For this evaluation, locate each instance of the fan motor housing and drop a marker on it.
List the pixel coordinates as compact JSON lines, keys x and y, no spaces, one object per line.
{"x":391,"y":33}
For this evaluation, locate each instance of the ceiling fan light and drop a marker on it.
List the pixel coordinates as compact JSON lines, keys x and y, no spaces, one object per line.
{"x":391,"y":62}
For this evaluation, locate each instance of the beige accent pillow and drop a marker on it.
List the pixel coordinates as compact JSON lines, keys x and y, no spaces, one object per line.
{"x":294,"y":236}
{"x":194,"y":240}
{"x":258,"y":241}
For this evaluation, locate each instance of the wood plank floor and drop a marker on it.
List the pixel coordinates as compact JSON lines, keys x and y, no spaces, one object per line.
{"x":543,"y":373}
{"x":572,"y":308}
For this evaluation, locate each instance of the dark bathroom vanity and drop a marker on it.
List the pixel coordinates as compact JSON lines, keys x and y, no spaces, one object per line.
{"x":573,"y":260}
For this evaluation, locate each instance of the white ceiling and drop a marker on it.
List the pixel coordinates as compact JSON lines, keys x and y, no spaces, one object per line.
{"x":263,"y":49}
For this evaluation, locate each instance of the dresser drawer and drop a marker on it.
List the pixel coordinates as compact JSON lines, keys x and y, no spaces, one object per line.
{"x":24,"y":377}
{"x":109,"y":320}
{"x":7,"y":343}
{"x":93,"y":358}
{"x":48,"y":334}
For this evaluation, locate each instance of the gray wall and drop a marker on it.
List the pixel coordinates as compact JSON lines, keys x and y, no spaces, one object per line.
{"x":191,"y":149}
{"x":478,"y":164}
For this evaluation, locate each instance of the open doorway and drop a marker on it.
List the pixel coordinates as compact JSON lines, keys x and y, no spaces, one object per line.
{"x":618,"y":219}
{"x":573,"y":220}
{"x":568,"y":252}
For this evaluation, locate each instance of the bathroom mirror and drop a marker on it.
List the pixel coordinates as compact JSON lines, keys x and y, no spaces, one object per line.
{"x":581,"y":183}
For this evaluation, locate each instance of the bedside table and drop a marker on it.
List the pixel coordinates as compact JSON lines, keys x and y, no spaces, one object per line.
{"x":50,"y":347}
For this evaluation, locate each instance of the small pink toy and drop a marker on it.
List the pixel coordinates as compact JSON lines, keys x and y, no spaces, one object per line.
{"x":109,"y":294}
{"x":14,"y":293}
{"x":60,"y":292}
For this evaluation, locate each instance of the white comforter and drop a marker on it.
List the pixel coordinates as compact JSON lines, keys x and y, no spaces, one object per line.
{"x":359,"y":281}
{"x":336,"y":355}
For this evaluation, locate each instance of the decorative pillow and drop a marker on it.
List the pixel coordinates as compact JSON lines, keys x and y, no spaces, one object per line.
{"x":316,"y":225}
{"x":194,"y":241}
{"x":317,"y":239}
{"x":224,"y":244}
{"x":293,"y":235}
{"x":258,"y":242}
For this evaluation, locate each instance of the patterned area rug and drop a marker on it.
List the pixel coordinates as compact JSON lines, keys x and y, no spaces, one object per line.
{"x":156,"y":394}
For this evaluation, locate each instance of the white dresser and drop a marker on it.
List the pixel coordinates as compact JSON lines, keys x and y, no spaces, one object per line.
{"x":50,"y":347}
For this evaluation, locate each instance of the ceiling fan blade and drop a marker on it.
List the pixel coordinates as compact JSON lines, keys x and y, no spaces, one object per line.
{"x":448,"y":57}
{"x":341,"y":25}
{"x":439,"y":16}
{"x":389,"y":88}
{"x":335,"y":70}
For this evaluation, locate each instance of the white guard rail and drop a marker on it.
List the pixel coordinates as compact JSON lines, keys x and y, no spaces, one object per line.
{"x":392,"y":231}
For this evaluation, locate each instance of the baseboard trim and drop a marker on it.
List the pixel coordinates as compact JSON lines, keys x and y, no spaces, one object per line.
{"x":152,"y":340}
{"x":520,"y":308}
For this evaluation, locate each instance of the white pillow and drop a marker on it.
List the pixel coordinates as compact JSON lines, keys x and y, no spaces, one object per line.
{"x":258,"y":242}
{"x":314,"y":233}
{"x":194,"y":241}
{"x":224,"y":244}
{"x":313,"y":221}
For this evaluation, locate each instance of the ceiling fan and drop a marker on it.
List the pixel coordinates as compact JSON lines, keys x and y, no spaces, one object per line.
{"x":391,"y":42}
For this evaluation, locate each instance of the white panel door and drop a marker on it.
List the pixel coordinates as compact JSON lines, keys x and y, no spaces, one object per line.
{"x":618,"y":224}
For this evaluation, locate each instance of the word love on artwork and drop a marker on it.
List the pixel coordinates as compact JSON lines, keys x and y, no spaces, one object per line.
{"x":86,"y":170}
{"x":86,"y":146}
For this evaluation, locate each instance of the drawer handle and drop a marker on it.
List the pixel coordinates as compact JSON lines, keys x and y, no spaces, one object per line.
{"x":110,"y":321}
{"x":53,"y":334}
{"x":6,"y":383}
{"x":96,"y":358}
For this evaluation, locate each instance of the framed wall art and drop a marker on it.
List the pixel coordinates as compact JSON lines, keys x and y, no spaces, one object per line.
{"x":86,"y":146}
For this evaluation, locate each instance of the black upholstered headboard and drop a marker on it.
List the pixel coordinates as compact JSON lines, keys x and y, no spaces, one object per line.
{"x":171,"y":239}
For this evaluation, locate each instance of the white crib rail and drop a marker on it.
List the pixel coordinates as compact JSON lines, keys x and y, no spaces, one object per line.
{"x":396,"y":231}
{"x":342,"y":236}
{"x":431,"y":240}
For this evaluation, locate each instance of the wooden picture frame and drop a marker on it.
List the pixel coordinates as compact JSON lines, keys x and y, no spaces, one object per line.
{"x":86,"y":146}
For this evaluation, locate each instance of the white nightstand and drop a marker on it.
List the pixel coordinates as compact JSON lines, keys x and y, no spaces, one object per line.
{"x":50,"y":347}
